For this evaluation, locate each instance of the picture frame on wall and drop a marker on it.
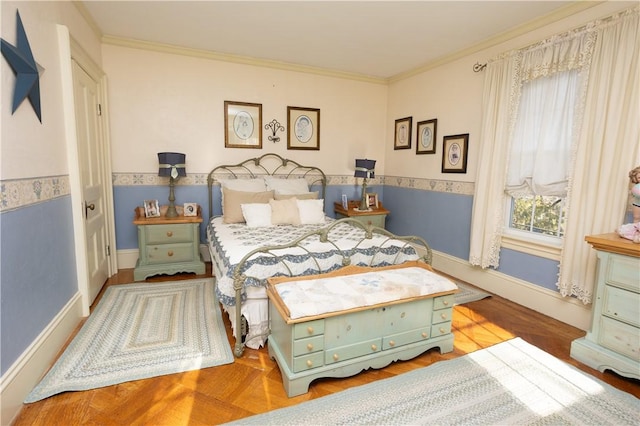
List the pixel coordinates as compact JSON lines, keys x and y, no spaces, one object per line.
{"x":426,"y":135}
{"x":242,"y":125}
{"x":304,"y":128}
{"x":151,"y":208}
{"x":402,"y":134}
{"x":454,"y":153}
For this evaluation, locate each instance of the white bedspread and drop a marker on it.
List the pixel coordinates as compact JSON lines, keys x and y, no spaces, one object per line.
{"x":229,"y":243}
{"x":320,"y":296}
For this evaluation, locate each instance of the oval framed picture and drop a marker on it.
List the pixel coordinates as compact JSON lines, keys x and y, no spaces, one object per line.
{"x":426,"y":135}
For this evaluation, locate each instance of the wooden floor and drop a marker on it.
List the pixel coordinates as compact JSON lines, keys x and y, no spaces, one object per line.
{"x":252,"y":384}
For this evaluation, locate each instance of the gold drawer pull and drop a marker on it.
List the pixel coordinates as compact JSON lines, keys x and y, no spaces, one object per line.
{"x":443,"y":316}
{"x":309,"y":363}
{"x":309,"y":347}
{"x":374,"y":348}
{"x":392,"y":343}
{"x":310,"y":330}
{"x":169,"y":233}
{"x":335,"y":357}
{"x":170,"y":253}
{"x":424,"y":334}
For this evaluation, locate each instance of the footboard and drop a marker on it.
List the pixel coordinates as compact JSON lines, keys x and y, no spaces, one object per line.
{"x":317,"y":263}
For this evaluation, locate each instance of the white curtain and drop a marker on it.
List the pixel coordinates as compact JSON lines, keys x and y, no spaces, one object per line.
{"x":609,"y":147}
{"x":502,"y":98}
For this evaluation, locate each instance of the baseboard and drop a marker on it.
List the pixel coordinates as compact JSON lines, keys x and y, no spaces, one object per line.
{"x":127,"y":258}
{"x":25,"y":373}
{"x":545,"y":301}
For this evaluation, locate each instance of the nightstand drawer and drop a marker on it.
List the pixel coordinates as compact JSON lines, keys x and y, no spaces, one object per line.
{"x":307,"y":362}
{"x":443,"y":302}
{"x":308,"y":345}
{"x":308,"y":329}
{"x":440,"y":329}
{"x":622,"y":305}
{"x":163,"y":234}
{"x":166,"y":253}
{"x":623,"y":272}
{"x":443,"y":315}
{"x":620,"y":337}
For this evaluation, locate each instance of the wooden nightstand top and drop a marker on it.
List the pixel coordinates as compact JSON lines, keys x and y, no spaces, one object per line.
{"x":353,"y":205}
{"x":140,"y":218}
{"x":614,"y":243}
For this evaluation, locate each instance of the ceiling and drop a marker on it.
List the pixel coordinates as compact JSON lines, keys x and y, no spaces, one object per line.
{"x":379,"y":39}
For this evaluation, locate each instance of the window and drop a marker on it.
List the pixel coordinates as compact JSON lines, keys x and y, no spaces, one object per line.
{"x":540,"y":153}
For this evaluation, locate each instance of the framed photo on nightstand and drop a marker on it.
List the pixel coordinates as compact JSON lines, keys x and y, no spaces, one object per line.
{"x":191,"y":209}
{"x":151,"y":208}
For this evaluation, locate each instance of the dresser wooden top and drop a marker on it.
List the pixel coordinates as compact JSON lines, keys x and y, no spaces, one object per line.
{"x":614,"y":243}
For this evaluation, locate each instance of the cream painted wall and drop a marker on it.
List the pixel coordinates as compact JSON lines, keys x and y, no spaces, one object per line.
{"x":31,"y":149}
{"x":452,"y":93}
{"x":166,"y":102}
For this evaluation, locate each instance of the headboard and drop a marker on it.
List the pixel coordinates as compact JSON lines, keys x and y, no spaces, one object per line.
{"x":266,"y":165}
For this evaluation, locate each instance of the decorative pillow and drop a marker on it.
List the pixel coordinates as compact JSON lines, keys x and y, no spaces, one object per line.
{"x":257,"y":215}
{"x":284,"y":212}
{"x":232,"y":210}
{"x":286,"y":186}
{"x":303,"y":196}
{"x":245,"y":185}
{"x":311,"y":211}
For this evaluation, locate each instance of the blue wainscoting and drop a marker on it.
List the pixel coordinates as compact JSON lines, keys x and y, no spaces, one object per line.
{"x":534,"y":269}
{"x":441,"y":218}
{"x":38,"y":272}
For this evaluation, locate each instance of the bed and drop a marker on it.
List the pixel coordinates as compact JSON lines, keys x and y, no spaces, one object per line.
{"x":246,"y":248}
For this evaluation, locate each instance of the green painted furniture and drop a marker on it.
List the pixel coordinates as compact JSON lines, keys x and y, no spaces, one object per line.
{"x":167,"y":246}
{"x":341,"y":344}
{"x":375,"y":217}
{"x":613,"y":342}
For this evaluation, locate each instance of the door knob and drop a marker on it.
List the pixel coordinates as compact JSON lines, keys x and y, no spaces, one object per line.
{"x":88,"y":207}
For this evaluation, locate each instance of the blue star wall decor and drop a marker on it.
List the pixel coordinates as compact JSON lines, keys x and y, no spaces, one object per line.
{"x":25,"y":68}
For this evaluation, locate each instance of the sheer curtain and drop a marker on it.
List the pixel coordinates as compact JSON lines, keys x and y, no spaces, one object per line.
{"x":502,"y":100}
{"x":607,"y":140}
{"x":609,"y":146}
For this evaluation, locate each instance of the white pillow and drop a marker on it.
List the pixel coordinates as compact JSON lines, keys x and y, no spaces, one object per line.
{"x":245,"y":185}
{"x":311,"y":211}
{"x":256,"y":215}
{"x":286,"y":186}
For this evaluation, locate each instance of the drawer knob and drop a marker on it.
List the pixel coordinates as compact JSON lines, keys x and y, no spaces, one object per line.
{"x":424,"y":334}
{"x":309,"y":347}
{"x":392,"y":343}
{"x":335,"y":357}
{"x":170,"y":253}
{"x":169,"y":233}
{"x":310,"y":330}
{"x":443,"y":316}
{"x":369,"y":222}
{"x":374,"y":348}
{"x":309,"y":363}
{"x":445,"y":302}
{"x":442,"y":330}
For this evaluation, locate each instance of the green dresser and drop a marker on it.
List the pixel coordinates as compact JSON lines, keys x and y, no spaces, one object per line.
{"x":167,"y":246}
{"x":344,"y":343}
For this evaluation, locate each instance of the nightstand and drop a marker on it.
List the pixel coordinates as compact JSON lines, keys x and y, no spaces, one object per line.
{"x":374,"y":217}
{"x":167,"y":246}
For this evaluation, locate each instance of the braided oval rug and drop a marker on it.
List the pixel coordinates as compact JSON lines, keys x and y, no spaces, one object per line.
{"x":139,"y":331}
{"x":511,"y":383}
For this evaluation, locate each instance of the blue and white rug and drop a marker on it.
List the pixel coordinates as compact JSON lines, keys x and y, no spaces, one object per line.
{"x":139,"y":331}
{"x":511,"y":383}
{"x":468,"y":294}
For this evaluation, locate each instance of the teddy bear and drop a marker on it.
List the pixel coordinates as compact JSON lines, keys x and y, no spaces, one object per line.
{"x":631,"y":231}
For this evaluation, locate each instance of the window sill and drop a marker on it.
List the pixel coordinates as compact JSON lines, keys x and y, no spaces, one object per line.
{"x":540,"y":247}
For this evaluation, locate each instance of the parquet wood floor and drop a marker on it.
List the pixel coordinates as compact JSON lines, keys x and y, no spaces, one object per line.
{"x":252,"y":384}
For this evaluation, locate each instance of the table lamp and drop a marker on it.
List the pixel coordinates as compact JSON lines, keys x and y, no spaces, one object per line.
{"x":171,"y":164}
{"x":364,"y":169}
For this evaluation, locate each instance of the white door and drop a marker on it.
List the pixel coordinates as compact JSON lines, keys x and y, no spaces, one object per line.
{"x":92,"y":179}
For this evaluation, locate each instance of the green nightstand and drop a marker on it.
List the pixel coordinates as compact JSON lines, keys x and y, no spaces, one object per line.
{"x":373,"y":217}
{"x":167,"y":246}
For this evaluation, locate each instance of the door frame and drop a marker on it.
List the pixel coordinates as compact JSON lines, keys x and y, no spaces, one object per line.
{"x":74,"y":52}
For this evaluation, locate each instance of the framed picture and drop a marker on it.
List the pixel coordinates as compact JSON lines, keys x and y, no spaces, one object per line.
{"x":426,"y":136}
{"x":454,"y":153}
{"x":242,"y":125}
{"x":191,"y":209}
{"x":402,"y":137}
{"x":372,"y":200}
{"x":304,"y":128}
{"x":151,"y":208}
